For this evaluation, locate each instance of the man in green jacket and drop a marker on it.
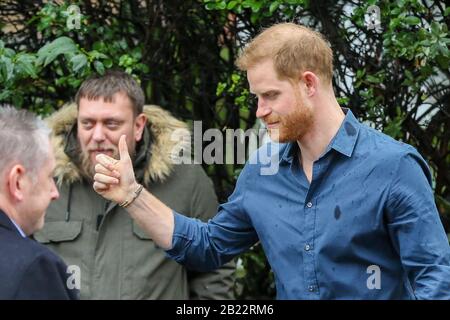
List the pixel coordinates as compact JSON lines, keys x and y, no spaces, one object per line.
{"x":112,"y":257}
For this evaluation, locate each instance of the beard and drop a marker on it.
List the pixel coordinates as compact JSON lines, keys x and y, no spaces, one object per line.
{"x":87,"y":166}
{"x":292,"y":127}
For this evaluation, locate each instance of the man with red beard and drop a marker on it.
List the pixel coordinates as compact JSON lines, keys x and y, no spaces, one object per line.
{"x":350,"y":214}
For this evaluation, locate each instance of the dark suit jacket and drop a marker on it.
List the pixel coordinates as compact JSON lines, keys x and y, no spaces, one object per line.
{"x":29,"y":270}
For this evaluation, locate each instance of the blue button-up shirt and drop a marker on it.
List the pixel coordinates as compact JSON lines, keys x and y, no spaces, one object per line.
{"x":366,"y":227}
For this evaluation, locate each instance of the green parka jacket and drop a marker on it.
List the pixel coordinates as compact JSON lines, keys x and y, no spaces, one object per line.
{"x":114,"y":257}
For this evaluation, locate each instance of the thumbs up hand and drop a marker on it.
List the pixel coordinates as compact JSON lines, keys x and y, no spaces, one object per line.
{"x":114,"y":179}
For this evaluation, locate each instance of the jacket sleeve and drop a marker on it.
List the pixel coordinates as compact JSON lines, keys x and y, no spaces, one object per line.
{"x":217,"y":284}
{"x":46,"y":279}
{"x":416,"y":230}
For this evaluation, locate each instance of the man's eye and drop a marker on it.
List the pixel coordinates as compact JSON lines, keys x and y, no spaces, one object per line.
{"x":86,"y":124}
{"x":270,"y":95}
{"x":112,"y":124}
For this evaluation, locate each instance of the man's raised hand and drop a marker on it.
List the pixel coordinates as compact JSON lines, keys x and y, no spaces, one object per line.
{"x":114,"y":179}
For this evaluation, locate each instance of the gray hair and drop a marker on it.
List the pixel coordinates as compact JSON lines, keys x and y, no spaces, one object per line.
{"x":24,"y":138}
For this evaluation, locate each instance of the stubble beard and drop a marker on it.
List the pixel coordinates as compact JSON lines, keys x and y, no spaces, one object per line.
{"x":293,"y":126}
{"x":87,"y":167}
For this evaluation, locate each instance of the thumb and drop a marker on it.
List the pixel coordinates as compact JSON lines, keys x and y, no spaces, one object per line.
{"x":123,"y":148}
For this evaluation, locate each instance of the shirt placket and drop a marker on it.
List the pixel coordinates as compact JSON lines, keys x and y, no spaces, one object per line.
{"x":312,"y":289}
{"x":310,"y":210}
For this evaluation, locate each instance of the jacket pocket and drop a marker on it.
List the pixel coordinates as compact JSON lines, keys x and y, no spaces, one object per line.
{"x":141,"y":234}
{"x":59,"y":231}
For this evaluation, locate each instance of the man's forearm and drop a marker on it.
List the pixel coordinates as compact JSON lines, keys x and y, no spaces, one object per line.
{"x":154,"y":217}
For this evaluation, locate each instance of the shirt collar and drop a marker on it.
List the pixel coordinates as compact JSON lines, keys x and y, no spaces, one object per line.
{"x":18,"y":228}
{"x":289,"y":152}
{"x":345,"y":139}
{"x":343,"y":142}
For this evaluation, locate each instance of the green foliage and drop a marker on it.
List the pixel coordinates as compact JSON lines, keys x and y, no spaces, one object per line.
{"x":248,"y":280}
{"x":258,"y":9}
{"x":67,"y":56}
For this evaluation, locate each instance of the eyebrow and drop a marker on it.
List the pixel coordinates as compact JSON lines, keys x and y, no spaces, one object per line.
{"x":265,"y":92}
{"x":103,"y":120}
{"x":114,"y":119}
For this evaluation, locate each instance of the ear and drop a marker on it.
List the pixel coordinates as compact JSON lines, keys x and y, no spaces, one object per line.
{"x":139,"y":125}
{"x":311,"y":82}
{"x":16,"y":182}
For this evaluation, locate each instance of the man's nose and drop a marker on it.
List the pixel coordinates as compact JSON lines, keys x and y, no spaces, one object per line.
{"x":263,"y":109}
{"x":55,"y":192}
{"x":98,"y":134}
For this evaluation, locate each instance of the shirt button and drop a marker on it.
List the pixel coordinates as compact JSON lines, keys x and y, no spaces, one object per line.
{"x":311,"y":288}
{"x":308,"y":247}
{"x":309,"y":204}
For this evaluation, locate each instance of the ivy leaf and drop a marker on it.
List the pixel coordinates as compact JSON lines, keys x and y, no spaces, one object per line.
{"x":210,"y":6}
{"x":256,"y":6}
{"x":78,"y":62}
{"x":394,"y":128}
{"x":274,"y":6}
{"x":99,"y":67}
{"x":412,"y":21}
{"x":6,"y":68}
{"x":48,"y":53}
{"x":26,"y":64}
{"x":5,"y":94}
{"x":373,"y":79}
{"x":447,"y":12}
{"x":435,"y":28}
{"x":221,"y":5}
{"x":94,"y":55}
{"x":220,"y":88}
{"x":231,"y":5}
{"x":108,"y":63}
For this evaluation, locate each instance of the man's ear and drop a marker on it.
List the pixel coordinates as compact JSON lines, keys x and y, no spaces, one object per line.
{"x":311,"y":82}
{"x":16,"y":182}
{"x":139,"y":123}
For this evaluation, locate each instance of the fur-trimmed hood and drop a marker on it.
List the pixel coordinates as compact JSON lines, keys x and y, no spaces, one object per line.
{"x":167,"y":133}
